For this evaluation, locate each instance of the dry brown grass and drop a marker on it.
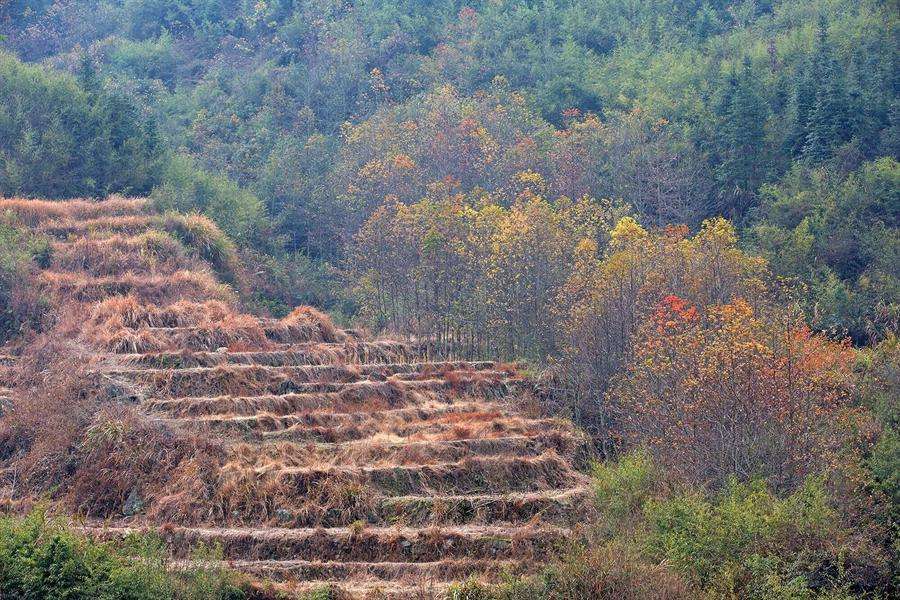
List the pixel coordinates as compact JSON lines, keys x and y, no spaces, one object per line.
{"x":123,"y":452}
{"x":155,"y":289}
{"x":97,"y":227}
{"x":139,"y":321}
{"x":308,"y":353}
{"x":401,"y":425}
{"x":232,"y":494}
{"x":233,"y":332}
{"x":75,"y":433}
{"x":253,"y":380}
{"x":129,"y":312}
{"x":379,"y":452}
{"x":196,"y":232}
{"x":34,"y":212}
{"x":151,"y":252}
{"x":363,"y":397}
{"x":305,"y":324}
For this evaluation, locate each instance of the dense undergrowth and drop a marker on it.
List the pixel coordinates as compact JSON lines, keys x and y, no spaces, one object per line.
{"x":41,"y":557}
{"x":743,"y":541}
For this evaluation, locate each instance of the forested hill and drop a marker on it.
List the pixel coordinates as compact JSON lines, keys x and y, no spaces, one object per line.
{"x":672,"y":225}
{"x":292,"y":122}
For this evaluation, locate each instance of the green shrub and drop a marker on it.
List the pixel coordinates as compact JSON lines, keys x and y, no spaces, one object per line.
{"x":471,"y":589}
{"x":41,"y":559}
{"x":736,"y":538}
{"x":610,"y":571}
{"x":323,"y":593}
{"x":621,"y":488}
{"x":187,"y":188}
{"x":146,"y":59}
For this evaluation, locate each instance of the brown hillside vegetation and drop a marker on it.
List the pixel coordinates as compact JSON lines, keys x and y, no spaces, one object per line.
{"x":311,"y":455}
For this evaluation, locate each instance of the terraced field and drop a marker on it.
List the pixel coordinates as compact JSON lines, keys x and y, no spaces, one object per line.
{"x":349,"y":462}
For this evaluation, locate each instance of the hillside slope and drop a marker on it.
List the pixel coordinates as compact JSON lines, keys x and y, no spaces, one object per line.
{"x":335,"y":459}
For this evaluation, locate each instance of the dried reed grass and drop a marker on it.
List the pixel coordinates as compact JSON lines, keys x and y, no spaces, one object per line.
{"x":156,"y":289}
{"x":131,"y":313}
{"x":34,"y":212}
{"x":305,"y":324}
{"x":151,"y":252}
{"x":238,"y":331}
{"x":307,"y":353}
{"x":364,"y":397}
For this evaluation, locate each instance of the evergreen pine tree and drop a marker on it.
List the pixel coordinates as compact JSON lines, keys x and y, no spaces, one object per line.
{"x":804,"y":99}
{"x":828,"y":125}
{"x":87,"y":76}
{"x":744,"y":136}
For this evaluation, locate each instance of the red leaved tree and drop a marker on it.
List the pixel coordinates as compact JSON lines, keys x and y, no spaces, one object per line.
{"x":725,"y":391}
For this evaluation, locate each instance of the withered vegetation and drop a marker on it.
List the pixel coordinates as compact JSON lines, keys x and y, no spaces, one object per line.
{"x":151,"y":401}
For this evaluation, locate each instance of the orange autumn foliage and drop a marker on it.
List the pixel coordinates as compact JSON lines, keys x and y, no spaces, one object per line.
{"x":729,"y":390}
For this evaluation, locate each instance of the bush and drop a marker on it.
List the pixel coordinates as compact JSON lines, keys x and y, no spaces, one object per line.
{"x":613,"y":571}
{"x":728,"y":390}
{"x":743,"y":541}
{"x":746,"y":542}
{"x":41,"y":558}
{"x":187,"y":188}
{"x":878,"y":369}
{"x":280,"y":283}
{"x":147,"y":59}
{"x":623,"y":487}
{"x":204,"y":237}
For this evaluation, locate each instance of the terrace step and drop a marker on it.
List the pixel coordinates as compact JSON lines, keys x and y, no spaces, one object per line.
{"x":561,"y":506}
{"x":127,"y":341}
{"x":34,"y":212}
{"x":332,"y":379}
{"x":295,"y":355}
{"x":212,"y":338}
{"x":112,"y":256}
{"x":468,"y":476}
{"x":340,"y":397}
{"x":375,"y":453}
{"x":357,"y":402}
{"x":387,"y":574}
{"x":451,"y":426}
{"x":69,"y":228}
{"x":376,"y":370}
{"x":190,"y":285}
{"x":359,"y":544}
